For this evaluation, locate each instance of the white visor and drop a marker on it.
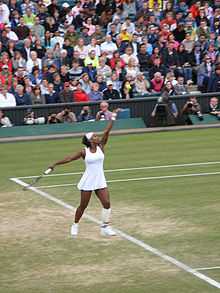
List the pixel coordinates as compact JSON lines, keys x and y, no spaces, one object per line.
{"x":89,"y":135}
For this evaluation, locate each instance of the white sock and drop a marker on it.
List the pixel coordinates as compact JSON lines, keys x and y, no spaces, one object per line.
{"x":105,"y":216}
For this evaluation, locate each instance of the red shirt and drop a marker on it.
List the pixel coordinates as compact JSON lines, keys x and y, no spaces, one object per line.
{"x":80,"y":96}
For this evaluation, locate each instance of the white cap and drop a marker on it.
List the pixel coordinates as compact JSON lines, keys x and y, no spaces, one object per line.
{"x":65,"y":5}
{"x":109,"y":82}
{"x":89,"y":135}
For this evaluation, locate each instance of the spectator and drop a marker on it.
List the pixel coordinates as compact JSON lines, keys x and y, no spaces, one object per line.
{"x":180,"y":88}
{"x":91,"y":71}
{"x":104,"y":113}
{"x":6,"y":99}
{"x":66,"y":95}
{"x":214,"y":108}
{"x":108,"y":47}
{"x":192,"y":107}
{"x":128,"y":87}
{"x":79,"y":95}
{"x":4,"y":120}
{"x":33,"y":61}
{"x":157,"y":82}
{"x":103,"y":68}
{"x":214,"y":80}
{"x":66,"y":115}
{"x":36,"y":96}
{"x":110,"y":93}
{"x":85,"y":114}
{"x":141,"y":84}
{"x":51,"y":96}
{"x":21,"y":97}
{"x":95,"y":94}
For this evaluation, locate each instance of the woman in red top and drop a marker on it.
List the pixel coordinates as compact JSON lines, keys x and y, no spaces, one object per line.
{"x":79,"y":95}
{"x":116,"y":58}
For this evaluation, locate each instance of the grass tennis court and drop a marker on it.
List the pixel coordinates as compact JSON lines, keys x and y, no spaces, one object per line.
{"x":164,"y":192}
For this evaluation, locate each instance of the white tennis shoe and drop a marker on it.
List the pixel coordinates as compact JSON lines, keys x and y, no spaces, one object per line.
{"x":74,"y":230}
{"x":107,"y":231}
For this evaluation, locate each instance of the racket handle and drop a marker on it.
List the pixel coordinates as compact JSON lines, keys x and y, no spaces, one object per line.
{"x":48,"y":171}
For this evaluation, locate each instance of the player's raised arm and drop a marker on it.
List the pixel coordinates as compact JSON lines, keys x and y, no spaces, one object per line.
{"x":68,"y":159}
{"x":106,"y":132}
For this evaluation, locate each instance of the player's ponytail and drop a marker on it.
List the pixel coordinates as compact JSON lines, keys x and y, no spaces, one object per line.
{"x":86,"y":142}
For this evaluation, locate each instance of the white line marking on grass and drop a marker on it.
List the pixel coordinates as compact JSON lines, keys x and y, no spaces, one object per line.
{"x":208,"y":268}
{"x":130,"y":238}
{"x":129,"y":169}
{"x":138,"y":179}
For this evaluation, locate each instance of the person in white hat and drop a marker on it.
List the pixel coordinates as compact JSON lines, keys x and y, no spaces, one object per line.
{"x":93,"y":178}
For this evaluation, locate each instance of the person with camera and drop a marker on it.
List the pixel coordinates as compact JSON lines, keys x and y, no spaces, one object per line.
{"x":66,"y":115}
{"x":85,"y":114}
{"x":191,"y":107}
{"x":165,"y":111}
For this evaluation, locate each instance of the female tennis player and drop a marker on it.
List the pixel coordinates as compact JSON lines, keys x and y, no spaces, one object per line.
{"x":93,"y":178}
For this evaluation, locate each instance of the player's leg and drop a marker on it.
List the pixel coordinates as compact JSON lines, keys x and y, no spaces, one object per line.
{"x":104,"y":198}
{"x":84,"y":201}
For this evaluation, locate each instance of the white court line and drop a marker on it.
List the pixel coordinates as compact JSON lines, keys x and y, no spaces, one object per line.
{"x":138,"y":179}
{"x":130,"y":169}
{"x":207,"y":269}
{"x":128,"y":237}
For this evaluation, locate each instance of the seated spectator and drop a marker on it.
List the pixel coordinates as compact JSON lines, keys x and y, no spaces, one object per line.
{"x":180,"y":88}
{"x":36,"y":96}
{"x":66,"y":115}
{"x":51,"y":97}
{"x":192,"y":107}
{"x":91,"y":71}
{"x":108,"y":47}
{"x":6,"y":99}
{"x":92,"y":58}
{"x":21,"y":97}
{"x":85,"y":82}
{"x":128,"y":55}
{"x":110,"y":93}
{"x":76,"y":70}
{"x":33,"y":61}
{"x":117,"y":83}
{"x":85,"y":114}
{"x":95,"y":94}
{"x":157,"y":67}
{"x":4,"y":120}
{"x":101,"y":81}
{"x":214,"y":108}
{"x":6,"y":77}
{"x":93,"y":46}
{"x":18,"y":60}
{"x":128,"y":87}
{"x":184,"y":66}
{"x":66,"y":95}
{"x":116,"y":58}
{"x":132,"y":69}
{"x":35,"y":76}
{"x":157,"y":82}
{"x":79,"y":95}
{"x":168,"y":89}
{"x":204,"y":72}
{"x":141,"y":84}
{"x":103,"y":68}
{"x":214,"y":80}
{"x":104,"y":113}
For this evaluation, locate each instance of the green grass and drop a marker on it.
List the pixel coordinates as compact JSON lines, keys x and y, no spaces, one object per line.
{"x":179,"y":216}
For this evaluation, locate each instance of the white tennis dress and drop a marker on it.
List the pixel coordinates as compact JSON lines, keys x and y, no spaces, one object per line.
{"x":93,"y":178}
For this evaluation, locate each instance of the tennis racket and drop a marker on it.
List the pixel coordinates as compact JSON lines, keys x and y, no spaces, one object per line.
{"x":35,"y":180}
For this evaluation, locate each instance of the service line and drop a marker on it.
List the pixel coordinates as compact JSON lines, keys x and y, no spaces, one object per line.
{"x":130,"y":169}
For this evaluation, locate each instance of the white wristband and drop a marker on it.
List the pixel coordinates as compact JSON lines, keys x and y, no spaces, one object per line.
{"x":48,"y":171}
{"x":113,"y":118}
{"x":114,"y":115}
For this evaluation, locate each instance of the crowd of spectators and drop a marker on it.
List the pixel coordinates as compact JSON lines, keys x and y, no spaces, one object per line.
{"x":91,"y":50}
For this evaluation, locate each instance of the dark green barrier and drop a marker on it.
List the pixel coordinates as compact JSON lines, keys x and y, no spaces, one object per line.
{"x":63,"y":128}
{"x":140,"y":107}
